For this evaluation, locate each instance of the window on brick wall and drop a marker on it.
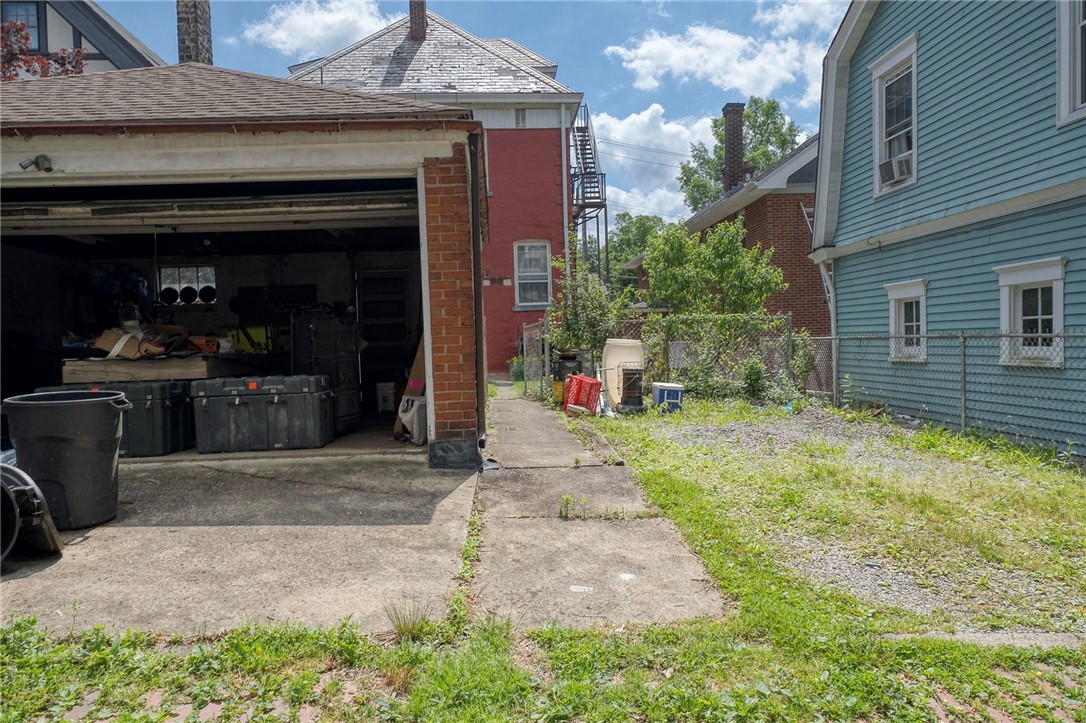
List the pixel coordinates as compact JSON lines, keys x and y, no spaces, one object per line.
{"x":908,"y":320}
{"x":1031,"y":312}
{"x":1071,"y":50}
{"x":532,"y":265}
{"x":894,"y":102}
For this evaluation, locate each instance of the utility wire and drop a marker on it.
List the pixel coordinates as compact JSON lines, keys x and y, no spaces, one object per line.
{"x":639,"y":160}
{"x":642,"y":148}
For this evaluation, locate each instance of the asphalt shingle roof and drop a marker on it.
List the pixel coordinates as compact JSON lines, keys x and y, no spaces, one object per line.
{"x":449,"y":60}
{"x":194,"y":93}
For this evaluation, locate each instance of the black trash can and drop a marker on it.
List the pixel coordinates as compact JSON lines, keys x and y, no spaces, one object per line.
{"x":67,"y":442}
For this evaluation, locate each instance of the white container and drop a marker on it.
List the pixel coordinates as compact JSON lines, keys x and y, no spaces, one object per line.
{"x":619,"y":353}
{"x":386,"y":397}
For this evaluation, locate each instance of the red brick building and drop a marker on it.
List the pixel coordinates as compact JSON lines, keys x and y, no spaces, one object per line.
{"x":527,"y":118}
{"x":777,"y":207}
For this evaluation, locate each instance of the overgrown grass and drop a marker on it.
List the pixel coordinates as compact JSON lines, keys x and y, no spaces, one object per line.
{"x":790,"y":649}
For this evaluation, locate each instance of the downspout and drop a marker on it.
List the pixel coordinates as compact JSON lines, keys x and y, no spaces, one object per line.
{"x":831,"y":295}
{"x":565,"y":190}
{"x":477,"y":276}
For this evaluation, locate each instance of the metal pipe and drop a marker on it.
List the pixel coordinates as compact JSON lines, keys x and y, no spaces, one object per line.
{"x":565,"y":190}
{"x":477,"y":282}
{"x":961,"y":343}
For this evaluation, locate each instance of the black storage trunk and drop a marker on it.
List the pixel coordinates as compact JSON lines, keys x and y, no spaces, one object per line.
{"x":325,"y":345}
{"x":245,"y":414}
{"x":160,"y":421}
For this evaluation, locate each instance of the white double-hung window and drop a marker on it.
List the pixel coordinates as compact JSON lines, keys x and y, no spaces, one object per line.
{"x":1031,"y":312}
{"x":894,"y":102}
{"x":533,"y":273}
{"x":908,"y":320}
{"x":1071,"y":65}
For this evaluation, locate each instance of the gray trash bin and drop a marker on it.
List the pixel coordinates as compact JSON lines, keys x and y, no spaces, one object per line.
{"x":67,"y":442}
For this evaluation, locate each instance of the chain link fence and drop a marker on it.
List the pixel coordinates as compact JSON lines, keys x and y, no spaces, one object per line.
{"x":537,"y":360}
{"x":1030,"y":387}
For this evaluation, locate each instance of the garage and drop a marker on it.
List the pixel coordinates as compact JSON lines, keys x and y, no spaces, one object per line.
{"x":288,"y":229}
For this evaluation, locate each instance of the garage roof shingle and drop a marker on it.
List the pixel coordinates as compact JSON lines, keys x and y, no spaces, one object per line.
{"x":192,"y":93}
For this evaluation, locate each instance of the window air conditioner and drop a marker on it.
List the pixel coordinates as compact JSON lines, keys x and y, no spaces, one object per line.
{"x":896,"y":169}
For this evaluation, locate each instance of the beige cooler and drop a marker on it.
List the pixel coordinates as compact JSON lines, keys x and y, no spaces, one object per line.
{"x":618,"y":353}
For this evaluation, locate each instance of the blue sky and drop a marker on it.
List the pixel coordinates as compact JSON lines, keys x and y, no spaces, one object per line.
{"x":653,"y":72}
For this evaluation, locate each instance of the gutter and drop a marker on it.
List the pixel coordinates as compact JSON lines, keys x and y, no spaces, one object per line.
{"x":235,"y":127}
{"x":477,"y":275}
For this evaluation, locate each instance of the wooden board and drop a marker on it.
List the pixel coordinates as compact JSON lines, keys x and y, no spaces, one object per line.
{"x":198,"y":366}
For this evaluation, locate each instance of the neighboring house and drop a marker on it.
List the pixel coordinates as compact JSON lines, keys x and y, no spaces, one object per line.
{"x":280,"y":196}
{"x":527,"y":117}
{"x":80,"y":24}
{"x":952,"y":196}
{"x":776,"y":206}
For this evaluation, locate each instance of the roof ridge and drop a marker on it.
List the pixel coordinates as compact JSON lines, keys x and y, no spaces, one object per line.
{"x":482,"y":44}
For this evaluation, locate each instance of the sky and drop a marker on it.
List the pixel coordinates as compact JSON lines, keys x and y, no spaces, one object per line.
{"x":653,"y":72}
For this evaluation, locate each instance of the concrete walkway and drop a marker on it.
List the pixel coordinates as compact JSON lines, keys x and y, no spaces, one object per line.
{"x":571,"y":541}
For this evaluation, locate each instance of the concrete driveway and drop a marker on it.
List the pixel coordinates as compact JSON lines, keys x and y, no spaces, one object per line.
{"x":205,"y":545}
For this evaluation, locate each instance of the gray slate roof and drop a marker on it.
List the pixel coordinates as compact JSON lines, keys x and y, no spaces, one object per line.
{"x":449,"y":60}
{"x":195,"y":93}
{"x":523,"y":55}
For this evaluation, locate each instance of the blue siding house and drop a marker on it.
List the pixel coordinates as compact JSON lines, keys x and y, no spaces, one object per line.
{"x":950,"y":212}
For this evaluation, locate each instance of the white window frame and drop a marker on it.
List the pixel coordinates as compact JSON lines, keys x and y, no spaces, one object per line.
{"x":517,"y":275}
{"x":520,"y":117}
{"x":899,"y":294}
{"x":1071,"y":54}
{"x":888,"y":65}
{"x":1013,"y":278}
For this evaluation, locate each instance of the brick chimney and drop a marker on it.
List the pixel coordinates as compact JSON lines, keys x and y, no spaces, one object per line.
{"x":418,"y":20}
{"x":733,"y":146}
{"x":194,"y":31}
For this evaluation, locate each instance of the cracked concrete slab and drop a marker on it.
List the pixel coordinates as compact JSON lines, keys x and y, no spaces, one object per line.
{"x":595,"y":492}
{"x":203,"y":547}
{"x":580,"y":573}
{"x":525,"y":434}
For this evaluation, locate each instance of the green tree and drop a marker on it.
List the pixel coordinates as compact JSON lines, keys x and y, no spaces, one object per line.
{"x":585,"y":314}
{"x":629,"y":238}
{"x":768,"y":134}
{"x":714,"y":276}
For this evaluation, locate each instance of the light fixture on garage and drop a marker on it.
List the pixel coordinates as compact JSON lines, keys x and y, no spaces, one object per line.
{"x":40,"y":162}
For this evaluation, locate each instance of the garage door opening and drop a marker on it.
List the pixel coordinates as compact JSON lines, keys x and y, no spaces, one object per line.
{"x":291,"y":284}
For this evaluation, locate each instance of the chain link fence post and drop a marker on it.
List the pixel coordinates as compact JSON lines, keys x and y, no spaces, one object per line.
{"x":961,"y":345}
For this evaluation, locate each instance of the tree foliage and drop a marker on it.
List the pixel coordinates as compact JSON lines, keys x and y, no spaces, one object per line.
{"x":585,"y":314}
{"x":768,"y":134}
{"x":716,"y":275}
{"x":630,"y":238}
{"x":16,"y":56}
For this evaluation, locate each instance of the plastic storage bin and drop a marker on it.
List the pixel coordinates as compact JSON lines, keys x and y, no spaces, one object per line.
{"x":67,"y":443}
{"x":386,"y":397}
{"x":245,"y":414}
{"x":667,"y":397}
{"x":160,"y":420}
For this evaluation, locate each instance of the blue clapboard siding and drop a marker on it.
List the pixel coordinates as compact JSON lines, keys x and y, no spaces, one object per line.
{"x":963,"y":294}
{"x":986,"y":113}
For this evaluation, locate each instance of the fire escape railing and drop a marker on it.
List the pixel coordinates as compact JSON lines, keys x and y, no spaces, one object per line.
{"x":589,"y":184}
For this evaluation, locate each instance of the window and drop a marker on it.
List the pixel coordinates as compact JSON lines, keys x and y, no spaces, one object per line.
{"x":1031,"y":312}
{"x":520,"y":118}
{"x":533,"y":273}
{"x":1071,"y":50}
{"x":908,"y":320}
{"x":186,"y":285}
{"x":26,"y":12}
{"x":894,"y":102}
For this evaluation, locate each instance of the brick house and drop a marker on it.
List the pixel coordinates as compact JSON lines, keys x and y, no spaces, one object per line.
{"x":527,"y":118}
{"x":777,"y":207}
{"x":295,"y":193}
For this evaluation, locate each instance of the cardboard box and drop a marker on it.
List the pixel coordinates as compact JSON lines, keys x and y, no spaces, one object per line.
{"x":134,"y":347}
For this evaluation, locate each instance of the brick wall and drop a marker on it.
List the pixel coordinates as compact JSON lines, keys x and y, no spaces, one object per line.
{"x":526,"y":186}
{"x":776,"y":221}
{"x":194,"y":31}
{"x":452,"y":306}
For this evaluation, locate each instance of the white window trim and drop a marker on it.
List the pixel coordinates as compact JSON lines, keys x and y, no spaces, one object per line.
{"x":516,"y":276}
{"x":1068,"y":65}
{"x":1012,"y":278}
{"x":904,"y":53}
{"x":898,"y":293}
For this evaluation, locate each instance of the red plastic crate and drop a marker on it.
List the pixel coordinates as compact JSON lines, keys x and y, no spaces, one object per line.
{"x":583,"y":392}
{"x":573,"y":388}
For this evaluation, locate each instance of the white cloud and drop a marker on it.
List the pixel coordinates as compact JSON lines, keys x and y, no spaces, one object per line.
{"x":648,"y":178}
{"x":801,"y":16}
{"x":305,"y":29}
{"x":788,"y":60}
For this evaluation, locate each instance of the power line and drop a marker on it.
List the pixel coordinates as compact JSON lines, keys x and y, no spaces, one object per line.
{"x":642,"y":148}
{"x":655,"y":211}
{"x":639,"y":160}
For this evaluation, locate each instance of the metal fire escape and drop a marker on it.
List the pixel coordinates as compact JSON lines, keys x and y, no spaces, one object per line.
{"x":589,"y":189}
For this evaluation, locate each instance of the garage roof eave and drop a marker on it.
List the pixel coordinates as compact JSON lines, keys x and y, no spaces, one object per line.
{"x":460,"y":122}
